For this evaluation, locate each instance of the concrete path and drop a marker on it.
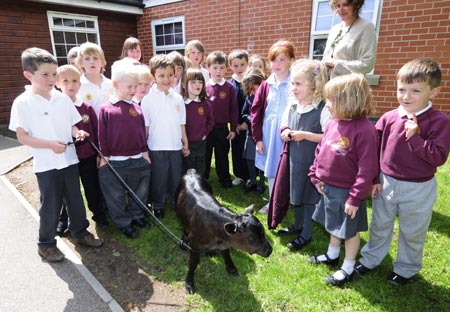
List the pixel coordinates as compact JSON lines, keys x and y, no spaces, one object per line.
{"x":26,"y":282}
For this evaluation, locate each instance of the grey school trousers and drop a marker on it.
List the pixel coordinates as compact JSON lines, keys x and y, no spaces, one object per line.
{"x":166,"y":174}
{"x":122,"y":207}
{"x":53,"y":186}
{"x":413,"y":202}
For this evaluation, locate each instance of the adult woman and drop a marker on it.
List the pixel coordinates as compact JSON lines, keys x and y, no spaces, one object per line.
{"x":352,"y":44}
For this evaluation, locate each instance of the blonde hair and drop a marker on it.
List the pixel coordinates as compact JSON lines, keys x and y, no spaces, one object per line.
{"x":316,"y":74}
{"x":143,"y":72}
{"x":124,"y":68}
{"x":73,"y":54}
{"x":90,"y":48}
{"x":351,"y":96}
{"x":194,"y":44}
{"x":67,"y":68}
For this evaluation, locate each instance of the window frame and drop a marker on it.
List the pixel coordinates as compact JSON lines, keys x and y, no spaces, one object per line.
{"x":52,"y":27}
{"x":164,"y":21}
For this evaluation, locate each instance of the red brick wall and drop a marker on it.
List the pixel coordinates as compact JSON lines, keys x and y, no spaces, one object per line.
{"x":24,"y":25}
{"x":408,"y":29}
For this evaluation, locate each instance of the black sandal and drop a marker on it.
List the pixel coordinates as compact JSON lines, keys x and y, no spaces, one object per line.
{"x":330,"y":279}
{"x":298,"y":243}
{"x":315,"y":260}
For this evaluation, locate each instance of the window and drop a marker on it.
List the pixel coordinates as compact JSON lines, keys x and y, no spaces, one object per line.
{"x":71,"y":30}
{"x":324,"y":18}
{"x":168,"y":35}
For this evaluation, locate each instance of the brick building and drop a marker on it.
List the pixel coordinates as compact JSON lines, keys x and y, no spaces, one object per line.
{"x":57,"y":25}
{"x":406,"y":29}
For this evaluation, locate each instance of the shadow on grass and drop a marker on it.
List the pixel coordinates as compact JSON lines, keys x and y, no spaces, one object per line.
{"x":440,"y":223}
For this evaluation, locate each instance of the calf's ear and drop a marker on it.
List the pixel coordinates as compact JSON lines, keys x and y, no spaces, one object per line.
{"x":230,"y":228}
{"x":250,"y":209}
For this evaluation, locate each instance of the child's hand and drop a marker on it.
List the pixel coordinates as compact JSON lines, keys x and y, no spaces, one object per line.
{"x":297,"y":136}
{"x":242,"y":127}
{"x":286,"y":135}
{"x":411,"y":127}
{"x":351,"y":210}
{"x":147,"y":158}
{"x":186,"y":152}
{"x":103,"y":161}
{"x":260,"y":147}
{"x":81,"y":135}
{"x":375,"y":190}
{"x":231,"y":135}
{"x":319,"y":187}
{"x":58,"y":147}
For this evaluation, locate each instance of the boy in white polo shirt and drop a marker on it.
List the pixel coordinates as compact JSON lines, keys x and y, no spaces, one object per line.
{"x":165,"y":119}
{"x":45,"y":119}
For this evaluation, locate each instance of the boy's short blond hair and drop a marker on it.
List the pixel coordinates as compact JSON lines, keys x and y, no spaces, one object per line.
{"x":216,"y":57}
{"x":144,"y":72}
{"x":67,"y":68}
{"x":89,"y":48}
{"x":238,"y":54}
{"x":351,"y":96}
{"x":123,"y":68}
{"x":160,"y":61}
{"x":422,"y":69}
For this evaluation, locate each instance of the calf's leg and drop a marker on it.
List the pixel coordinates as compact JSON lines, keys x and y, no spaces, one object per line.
{"x":231,"y":268}
{"x":194,"y":260}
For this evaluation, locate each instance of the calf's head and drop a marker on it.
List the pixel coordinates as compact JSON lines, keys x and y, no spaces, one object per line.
{"x":248,"y":234}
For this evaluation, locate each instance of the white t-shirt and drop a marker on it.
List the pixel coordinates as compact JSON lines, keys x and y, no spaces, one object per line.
{"x":48,"y":120}
{"x":164,"y":115}
{"x":92,"y":94}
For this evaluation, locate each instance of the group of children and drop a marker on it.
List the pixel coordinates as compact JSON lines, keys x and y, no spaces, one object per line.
{"x":154,"y":122}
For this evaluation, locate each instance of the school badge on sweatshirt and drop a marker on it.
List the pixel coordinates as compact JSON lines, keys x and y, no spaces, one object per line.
{"x":201,"y":111}
{"x":85,"y":118}
{"x":88,"y":96}
{"x":133,"y":112}
{"x":341,"y":146}
{"x":222,"y":94}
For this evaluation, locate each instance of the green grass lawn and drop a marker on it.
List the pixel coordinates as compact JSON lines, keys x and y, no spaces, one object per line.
{"x":287,"y":282}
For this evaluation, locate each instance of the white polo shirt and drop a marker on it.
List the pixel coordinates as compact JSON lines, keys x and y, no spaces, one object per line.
{"x":92,"y":94}
{"x":164,"y":115}
{"x":48,"y":120}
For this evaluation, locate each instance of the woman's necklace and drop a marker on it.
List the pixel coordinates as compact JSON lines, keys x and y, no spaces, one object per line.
{"x":341,"y":35}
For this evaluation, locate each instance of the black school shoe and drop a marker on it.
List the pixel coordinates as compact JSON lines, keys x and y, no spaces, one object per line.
{"x":328,"y":260}
{"x":159,"y":213}
{"x":61,"y":228}
{"x":141,"y":222}
{"x":290,"y":230}
{"x":397,"y":280}
{"x":330,"y":279}
{"x":298,"y":243}
{"x":361,"y":269}
{"x":129,"y":231}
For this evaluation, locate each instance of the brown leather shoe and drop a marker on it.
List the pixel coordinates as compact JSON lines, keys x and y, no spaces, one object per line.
{"x":50,"y":253}
{"x":90,"y":241}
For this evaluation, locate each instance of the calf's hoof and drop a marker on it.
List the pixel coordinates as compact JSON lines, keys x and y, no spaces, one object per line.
{"x":233,"y":271}
{"x":190,"y":288}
